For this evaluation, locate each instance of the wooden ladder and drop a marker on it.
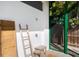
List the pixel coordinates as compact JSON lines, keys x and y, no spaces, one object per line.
{"x":24,"y":39}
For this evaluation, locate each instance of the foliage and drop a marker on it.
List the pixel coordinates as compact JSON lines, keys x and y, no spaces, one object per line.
{"x":57,"y":8}
{"x":73,"y":22}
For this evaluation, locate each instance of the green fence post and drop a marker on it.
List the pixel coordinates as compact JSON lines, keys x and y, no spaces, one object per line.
{"x":66,"y":30}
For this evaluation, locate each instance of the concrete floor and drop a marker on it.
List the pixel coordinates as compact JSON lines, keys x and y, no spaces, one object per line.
{"x":57,"y":54}
{"x":75,"y":49}
{"x":71,"y":50}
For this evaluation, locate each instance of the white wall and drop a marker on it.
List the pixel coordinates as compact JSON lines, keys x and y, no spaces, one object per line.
{"x":45,"y":22}
{"x":25,"y":14}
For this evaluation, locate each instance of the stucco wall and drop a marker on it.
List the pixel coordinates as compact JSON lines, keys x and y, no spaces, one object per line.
{"x":25,"y":14}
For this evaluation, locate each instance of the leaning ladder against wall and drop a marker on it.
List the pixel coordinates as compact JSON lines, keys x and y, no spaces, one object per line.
{"x":25,"y":40}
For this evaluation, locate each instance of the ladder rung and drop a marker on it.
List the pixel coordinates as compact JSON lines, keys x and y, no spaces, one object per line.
{"x":25,"y":39}
{"x":25,"y":36}
{"x":27,"y":47}
{"x":28,"y":55}
{"x":23,"y":29}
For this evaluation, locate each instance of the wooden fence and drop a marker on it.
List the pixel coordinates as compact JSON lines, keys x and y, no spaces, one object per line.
{"x":73,"y":38}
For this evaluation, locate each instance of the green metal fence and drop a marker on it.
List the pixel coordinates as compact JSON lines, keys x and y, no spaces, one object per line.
{"x":59,"y":33}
